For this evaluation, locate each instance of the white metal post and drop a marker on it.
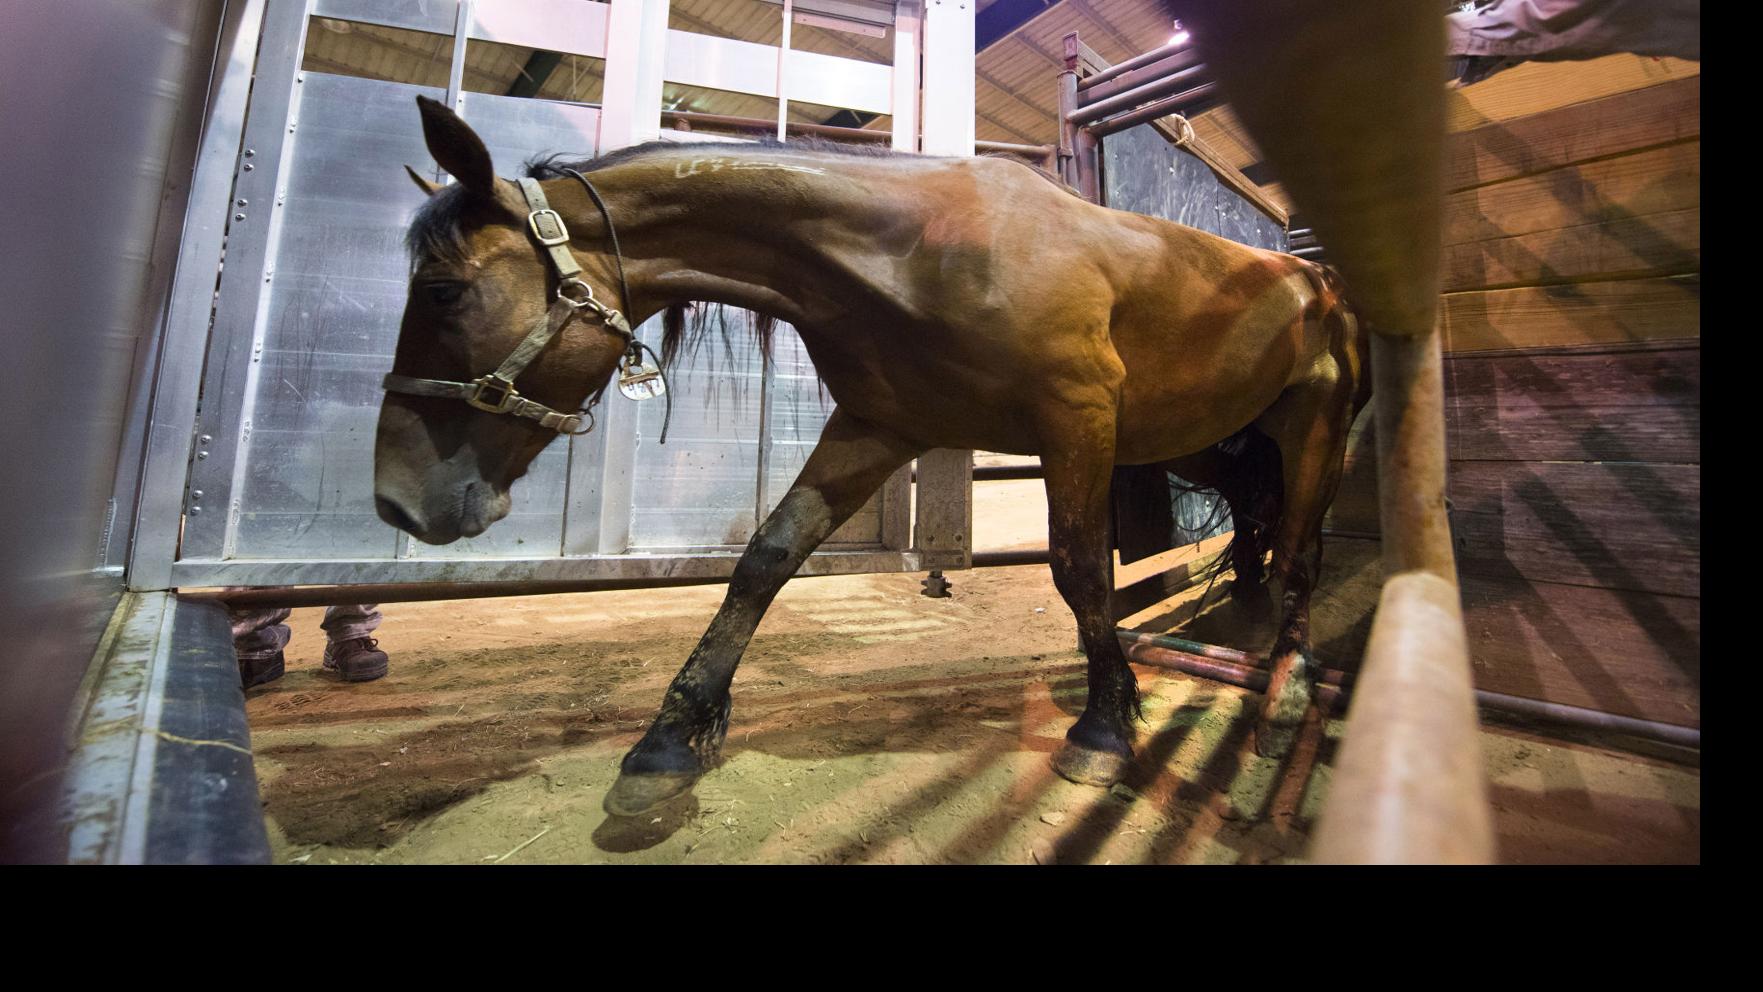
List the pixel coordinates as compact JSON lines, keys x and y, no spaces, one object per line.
{"x":948,"y":77}
{"x":783,"y":73}
{"x":636,"y":54}
{"x":945,"y":476}
{"x":908,"y":39}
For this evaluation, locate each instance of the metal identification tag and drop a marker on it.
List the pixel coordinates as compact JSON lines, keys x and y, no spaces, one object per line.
{"x":641,"y":382}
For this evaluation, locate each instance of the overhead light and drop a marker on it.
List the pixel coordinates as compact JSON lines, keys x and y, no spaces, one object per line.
{"x":1181,"y":36}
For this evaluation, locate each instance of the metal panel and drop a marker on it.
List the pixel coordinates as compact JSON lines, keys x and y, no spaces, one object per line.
{"x":747,"y":67}
{"x":797,"y":405}
{"x":248,"y":272}
{"x":677,"y":564}
{"x":177,"y":381}
{"x":1144,"y":173}
{"x":577,"y":27}
{"x":433,"y":16}
{"x":636,"y":32}
{"x":701,"y":488}
{"x":330,"y":326}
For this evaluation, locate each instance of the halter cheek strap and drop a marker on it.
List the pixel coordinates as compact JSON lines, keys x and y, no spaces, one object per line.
{"x":495,"y":392}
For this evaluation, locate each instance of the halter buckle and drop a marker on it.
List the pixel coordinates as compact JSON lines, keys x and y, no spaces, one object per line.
{"x":502,"y":394}
{"x":547,"y":225}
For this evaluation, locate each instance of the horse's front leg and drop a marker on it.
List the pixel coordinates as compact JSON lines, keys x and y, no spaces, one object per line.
{"x":849,"y":464}
{"x":1077,"y":457}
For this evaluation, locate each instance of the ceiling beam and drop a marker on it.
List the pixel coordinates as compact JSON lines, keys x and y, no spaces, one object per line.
{"x":1089,"y":13}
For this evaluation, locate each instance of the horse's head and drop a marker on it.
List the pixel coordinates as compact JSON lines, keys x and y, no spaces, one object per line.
{"x":481,"y":283}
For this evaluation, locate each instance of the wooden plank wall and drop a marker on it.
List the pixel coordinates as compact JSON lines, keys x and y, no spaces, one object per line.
{"x":1572,"y":323}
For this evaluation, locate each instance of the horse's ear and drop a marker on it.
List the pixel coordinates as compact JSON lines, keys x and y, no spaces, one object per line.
{"x":427,"y":186}
{"x":457,"y":147}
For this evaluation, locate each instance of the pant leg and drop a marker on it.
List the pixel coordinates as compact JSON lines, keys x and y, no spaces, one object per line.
{"x":259,"y":633}
{"x":345,"y":623}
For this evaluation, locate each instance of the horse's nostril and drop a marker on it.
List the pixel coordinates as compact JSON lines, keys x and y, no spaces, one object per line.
{"x":394,"y":514}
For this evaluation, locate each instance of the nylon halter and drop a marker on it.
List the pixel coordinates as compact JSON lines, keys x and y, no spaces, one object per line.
{"x":494,"y":392}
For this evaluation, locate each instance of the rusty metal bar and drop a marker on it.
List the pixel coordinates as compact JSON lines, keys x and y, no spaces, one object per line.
{"x":1249,"y":671}
{"x":1136,"y":62}
{"x":1156,"y":89}
{"x":1065,"y":156}
{"x":1005,"y":559}
{"x":1009,"y":148}
{"x":1196,"y":100}
{"x":1087,"y":157}
{"x":1090,"y":91}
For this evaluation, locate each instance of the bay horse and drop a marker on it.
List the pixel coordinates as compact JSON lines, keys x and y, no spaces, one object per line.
{"x":945,"y":302}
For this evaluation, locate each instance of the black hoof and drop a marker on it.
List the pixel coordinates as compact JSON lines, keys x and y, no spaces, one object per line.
{"x":1088,"y":766}
{"x":634,"y":795}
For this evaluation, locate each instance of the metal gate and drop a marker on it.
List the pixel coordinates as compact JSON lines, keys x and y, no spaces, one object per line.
{"x":279,"y":482}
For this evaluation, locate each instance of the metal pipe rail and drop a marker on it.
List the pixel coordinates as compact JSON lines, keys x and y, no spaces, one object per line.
{"x":1136,"y":62}
{"x":1195,"y":101}
{"x":1176,"y":82}
{"x":1090,"y":92}
{"x":1335,"y":687}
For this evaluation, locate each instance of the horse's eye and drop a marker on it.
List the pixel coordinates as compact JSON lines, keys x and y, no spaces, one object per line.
{"x":444,"y":294}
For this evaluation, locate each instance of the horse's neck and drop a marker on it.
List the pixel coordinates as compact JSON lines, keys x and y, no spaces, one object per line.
{"x":754,"y":228}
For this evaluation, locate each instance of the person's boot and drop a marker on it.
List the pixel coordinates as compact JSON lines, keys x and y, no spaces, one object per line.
{"x":257,"y":671}
{"x":356,"y":660}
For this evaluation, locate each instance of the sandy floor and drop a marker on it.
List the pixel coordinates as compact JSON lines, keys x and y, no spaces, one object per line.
{"x":871,"y":724}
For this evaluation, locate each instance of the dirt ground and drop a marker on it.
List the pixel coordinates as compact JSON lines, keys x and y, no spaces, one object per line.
{"x":870,"y":724}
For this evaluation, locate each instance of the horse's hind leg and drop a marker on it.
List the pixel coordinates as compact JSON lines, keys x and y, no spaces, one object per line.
{"x":851,"y":461}
{"x":1078,"y":461}
{"x":1309,"y":422}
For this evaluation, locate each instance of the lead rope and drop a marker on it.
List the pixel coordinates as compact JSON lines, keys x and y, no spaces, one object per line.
{"x":636,"y":348}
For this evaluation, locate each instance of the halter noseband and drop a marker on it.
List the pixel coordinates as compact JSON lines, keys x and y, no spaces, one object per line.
{"x":495,"y":392}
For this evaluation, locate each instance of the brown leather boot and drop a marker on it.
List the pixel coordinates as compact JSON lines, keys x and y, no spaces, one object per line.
{"x":257,"y":671}
{"x":356,"y":660}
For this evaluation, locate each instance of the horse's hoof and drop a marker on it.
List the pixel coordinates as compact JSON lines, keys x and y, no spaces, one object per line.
{"x":634,"y":795}
{"x":1088,"y":766}
{"x":1283,"y":707}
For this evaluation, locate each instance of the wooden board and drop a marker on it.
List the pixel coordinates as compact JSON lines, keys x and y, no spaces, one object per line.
{"x":1655,"y":181}
{"x":1631,"y":653}
{"x":1658,"y":115}
{"x":1603,"y":524}
{"x":1572,"y":314}
{"x":1635,"y":406}
{"x":1355,"y":508}
{"x":1537,"y":87}
{"x":1638,"y":247}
